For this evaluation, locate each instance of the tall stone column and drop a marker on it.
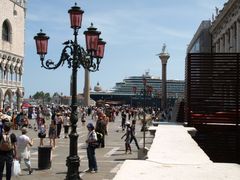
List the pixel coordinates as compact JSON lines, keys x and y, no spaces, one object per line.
{"x":226,"y":38}
{"x":221,"y":45}
{"x":2,"y":76}
{"x":231,"y":40}
{"x":87,"y":88}
{"x":1,"y":101}
{"x":217,"y":46}
{"x":164,"y":56}
{"x":19,"y":102}
{"x":238,"y":36}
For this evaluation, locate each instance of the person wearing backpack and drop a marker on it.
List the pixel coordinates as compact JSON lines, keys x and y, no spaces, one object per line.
{"x":7,"y":150}
{"x":101,"y":129}
{"x":91,"y":143}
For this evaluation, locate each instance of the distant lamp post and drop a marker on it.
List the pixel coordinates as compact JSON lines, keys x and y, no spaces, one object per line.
{"x":150,"y":93}
{"x":164,"y":56}
{"x":134,"y":90}
{"x":75,"y":56}
{"x":143,"y":92}
{"x":61,"y":100}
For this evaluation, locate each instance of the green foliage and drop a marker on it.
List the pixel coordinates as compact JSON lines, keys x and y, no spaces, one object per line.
{"x":42,"y":96}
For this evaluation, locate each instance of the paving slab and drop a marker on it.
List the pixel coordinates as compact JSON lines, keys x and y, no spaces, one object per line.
{"x":174,"y":145}
{"x":174,"y":155}
{"x":142,"y":170}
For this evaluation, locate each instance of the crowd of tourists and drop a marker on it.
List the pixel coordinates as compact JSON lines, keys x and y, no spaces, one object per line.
{"x":58,"y":118}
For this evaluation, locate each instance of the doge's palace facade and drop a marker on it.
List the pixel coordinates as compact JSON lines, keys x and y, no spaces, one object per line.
{"x":12,"y":23}
{"x":225,"y":28}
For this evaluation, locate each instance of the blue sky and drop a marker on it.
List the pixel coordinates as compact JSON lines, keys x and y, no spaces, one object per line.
{"x":134,"y":30}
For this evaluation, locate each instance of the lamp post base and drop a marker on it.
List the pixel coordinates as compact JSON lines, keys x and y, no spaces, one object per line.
{"x":73,"y":168}
{"x":142,"y":153}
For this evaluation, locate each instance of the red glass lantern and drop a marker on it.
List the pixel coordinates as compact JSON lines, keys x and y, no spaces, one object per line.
{"x":75,"y":16}
{"x":100,"y":50}
{"x":92,"y":39}
{"x":149,"y":90}
{"x":41,"y":43}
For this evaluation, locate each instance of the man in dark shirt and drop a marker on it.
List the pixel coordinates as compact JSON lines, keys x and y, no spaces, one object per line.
{"x":6,"y":156}
{"x":124,"y":117}
{"x":101,"y":128}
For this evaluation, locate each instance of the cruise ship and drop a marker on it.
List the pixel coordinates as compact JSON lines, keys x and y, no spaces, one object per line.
{"x":130,"y":91}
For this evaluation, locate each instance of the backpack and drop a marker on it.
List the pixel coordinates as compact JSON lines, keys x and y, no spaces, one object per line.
{"x":5,"y":143}
{"x":99,"y":135}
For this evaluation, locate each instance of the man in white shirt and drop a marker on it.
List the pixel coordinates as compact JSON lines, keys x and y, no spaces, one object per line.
{"x":91,"y":140}
{"x":23,"y":143}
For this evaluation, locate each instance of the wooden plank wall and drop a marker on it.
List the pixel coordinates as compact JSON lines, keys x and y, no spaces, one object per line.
{"x":212,"y":88}
{"x":220,"y":143}
{"x":212,"y":103}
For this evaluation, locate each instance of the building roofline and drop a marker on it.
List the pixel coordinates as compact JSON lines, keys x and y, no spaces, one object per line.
{"x":205,"y":24}
{"x":222,"y":13}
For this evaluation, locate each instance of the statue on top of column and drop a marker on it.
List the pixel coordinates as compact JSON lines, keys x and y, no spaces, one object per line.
{"x":164,"y":48}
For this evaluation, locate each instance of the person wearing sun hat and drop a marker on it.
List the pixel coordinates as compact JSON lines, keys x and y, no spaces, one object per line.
{"x":91,"y":146}
{"x":23,"y":143}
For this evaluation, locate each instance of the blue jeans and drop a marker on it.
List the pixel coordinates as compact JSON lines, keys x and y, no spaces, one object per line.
{"x":8,"y":159}
{"x":92,"y":163}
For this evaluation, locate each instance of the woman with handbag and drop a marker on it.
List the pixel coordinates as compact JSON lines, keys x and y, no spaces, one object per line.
{"x":23,"y":143}
{"x":42,"y":131}
{"x":52,"y":133}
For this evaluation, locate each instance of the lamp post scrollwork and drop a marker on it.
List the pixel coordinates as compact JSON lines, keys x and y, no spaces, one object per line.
{"x":75,"y":56}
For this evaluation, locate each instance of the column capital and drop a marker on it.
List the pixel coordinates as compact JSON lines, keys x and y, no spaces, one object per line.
{"x":164,"y":57}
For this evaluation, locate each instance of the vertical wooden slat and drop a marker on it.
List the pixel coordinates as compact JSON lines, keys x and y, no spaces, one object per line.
{"x":187,"y":89}
{"x":237,"y":111}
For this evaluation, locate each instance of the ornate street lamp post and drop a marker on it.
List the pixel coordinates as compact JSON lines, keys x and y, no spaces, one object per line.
{"x":75,"y":56}
{"x":144,"y":92}
{"x":144,"y":111}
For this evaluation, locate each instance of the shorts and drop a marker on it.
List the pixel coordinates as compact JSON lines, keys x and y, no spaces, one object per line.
{"x":41,"y":135}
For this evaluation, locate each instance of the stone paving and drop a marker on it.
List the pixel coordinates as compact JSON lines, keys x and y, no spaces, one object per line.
{"x":174,"y":155}
{"x":109,"y":158}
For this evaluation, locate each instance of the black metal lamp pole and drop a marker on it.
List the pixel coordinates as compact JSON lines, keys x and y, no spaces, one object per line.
{"x":147,"y":90}
{"x":134,"y":89}
{"x":144,"y":111}
{"x":75,"y":56}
